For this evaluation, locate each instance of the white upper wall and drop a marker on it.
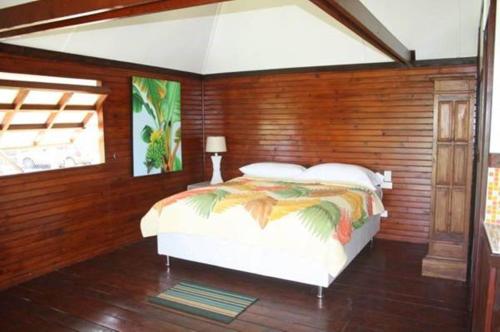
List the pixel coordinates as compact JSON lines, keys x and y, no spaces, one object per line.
{"x":245,"y":35}
{"x":259,"y":34}
{"x":173,"y":39}
{"x":434,"y":28}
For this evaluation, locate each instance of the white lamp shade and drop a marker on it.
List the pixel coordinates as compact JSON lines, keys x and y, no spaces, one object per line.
{"x":216,"y":144}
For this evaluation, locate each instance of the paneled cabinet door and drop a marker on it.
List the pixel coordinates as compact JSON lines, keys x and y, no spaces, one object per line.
{"x":451,"y":186}
{"x":451,"y":164}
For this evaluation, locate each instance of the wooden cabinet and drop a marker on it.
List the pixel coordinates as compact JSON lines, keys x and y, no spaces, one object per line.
{"x":452,"y":173}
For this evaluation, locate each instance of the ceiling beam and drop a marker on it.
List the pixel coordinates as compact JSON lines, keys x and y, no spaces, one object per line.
{"x":356,"y":17}
{"x":85,"y":16}
{"x":44,"y":11}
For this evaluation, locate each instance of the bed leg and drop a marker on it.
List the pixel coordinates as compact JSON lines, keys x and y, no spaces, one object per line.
{"x":167,"y":262}
{"x":372,"y":243}
{"x":320,"y":292}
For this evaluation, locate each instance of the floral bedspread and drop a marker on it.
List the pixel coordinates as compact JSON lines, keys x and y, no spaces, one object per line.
{"x":308,"y":218}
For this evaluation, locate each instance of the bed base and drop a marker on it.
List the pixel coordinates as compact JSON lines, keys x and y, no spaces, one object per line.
{"x":258,"y":261}
{"x":319,"y":295}
{"x":320,"y":292}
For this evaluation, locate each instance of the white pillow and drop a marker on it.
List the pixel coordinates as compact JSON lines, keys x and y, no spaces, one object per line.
{"x":342,"y":173}
{"x":273,"y":170}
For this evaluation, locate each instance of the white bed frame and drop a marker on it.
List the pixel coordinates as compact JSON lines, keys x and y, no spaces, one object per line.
{"x":277,"y":264}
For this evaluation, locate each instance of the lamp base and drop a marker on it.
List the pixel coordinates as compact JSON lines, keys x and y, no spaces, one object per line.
{"x":216,"y":176}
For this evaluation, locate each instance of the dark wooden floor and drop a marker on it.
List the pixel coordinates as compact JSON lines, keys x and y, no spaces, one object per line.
{"x":382,"y":290}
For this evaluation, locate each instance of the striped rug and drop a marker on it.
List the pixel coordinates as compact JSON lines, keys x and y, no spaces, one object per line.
{"x":217,"y":304}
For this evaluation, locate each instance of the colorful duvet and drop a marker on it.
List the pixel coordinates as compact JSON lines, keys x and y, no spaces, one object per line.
{"x":308,"y":219}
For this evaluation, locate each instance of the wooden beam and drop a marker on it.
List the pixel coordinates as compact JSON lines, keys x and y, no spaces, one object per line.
{"x":355,"y":16}
{"x":87,"y":118}
{"x":98,"y":111}
{"x":40,"y":107}
{"x":148,"y":7}
{"x":38,"y":126}
{"x":63,"y":102}
{"x":53,"y":86}
{"x":18,"y":102}
{"x":56,"y":10}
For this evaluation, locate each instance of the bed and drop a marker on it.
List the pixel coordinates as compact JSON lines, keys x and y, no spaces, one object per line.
{"x":306,"y":232}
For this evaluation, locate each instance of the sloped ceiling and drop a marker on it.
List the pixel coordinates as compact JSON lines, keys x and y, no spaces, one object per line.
{"x":434,"y":28}
{"x":261,"y":34}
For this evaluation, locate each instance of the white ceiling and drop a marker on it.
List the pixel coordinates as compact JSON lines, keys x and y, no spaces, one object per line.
{"x":262,"y":34}
{"x":434,"y":28}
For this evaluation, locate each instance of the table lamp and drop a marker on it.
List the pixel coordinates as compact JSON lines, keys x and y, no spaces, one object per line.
{"x":216,"y":144}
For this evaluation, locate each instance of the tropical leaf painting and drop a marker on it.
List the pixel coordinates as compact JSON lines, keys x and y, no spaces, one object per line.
{"x":156,"y":109}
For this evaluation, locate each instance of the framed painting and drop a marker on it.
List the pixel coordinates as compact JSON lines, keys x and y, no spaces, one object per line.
{"x":156,"y":126}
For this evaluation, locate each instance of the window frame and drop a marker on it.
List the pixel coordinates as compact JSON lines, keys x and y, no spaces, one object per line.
{"x":63,"y":105}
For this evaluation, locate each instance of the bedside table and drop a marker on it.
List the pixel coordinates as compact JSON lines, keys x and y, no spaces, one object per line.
{"x":198,"y":185}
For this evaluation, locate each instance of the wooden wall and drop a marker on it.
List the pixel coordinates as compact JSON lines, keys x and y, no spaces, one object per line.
{"x":52,"y":219}
{"x":378,"y":118}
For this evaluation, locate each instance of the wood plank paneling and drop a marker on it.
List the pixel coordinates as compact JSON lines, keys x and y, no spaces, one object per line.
{"x":378,"y":118}
{"x":52,"y":219}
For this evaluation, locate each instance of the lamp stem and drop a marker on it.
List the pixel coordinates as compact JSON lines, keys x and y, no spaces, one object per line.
{"x":216,"y":175}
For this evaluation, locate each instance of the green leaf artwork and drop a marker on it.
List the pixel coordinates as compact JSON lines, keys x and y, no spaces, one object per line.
{"x":156,"y":126}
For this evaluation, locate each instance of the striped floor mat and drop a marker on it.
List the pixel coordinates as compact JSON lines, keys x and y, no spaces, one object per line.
{"x":204,"y":301}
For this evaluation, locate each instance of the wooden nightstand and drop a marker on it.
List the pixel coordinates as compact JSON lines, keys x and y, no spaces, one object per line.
{"x":198,"y":185}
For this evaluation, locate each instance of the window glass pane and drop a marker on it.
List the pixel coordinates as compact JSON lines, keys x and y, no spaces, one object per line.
{"x":57,"y":136}
{"x":7,"y":95}
{"x":43,"y":97}
{"x":55,"y":156}
{"x":17,"y":138}
{"x":30,"y":117}
{"x":56,"y":149}
{"x":83,"y":99}
{"x":71,"y":117}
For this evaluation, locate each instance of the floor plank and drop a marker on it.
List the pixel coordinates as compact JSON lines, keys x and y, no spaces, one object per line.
{"x":382,"y":290}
